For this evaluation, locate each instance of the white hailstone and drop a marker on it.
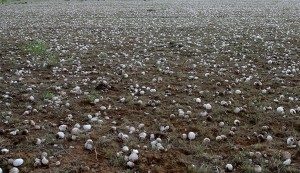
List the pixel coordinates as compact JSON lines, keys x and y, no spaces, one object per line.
{"x":290,"y":141}
{"x":223,"y":136}
{"x":158,"y":140}
{"x":198,"y":100}
{"x":37,"y":162}
{"x":114,"y":128}
{"x":203,"y":114}
{"x":229,"y":167}
{"x":75,"y":131}
{"x":153,"y":90}
{"x":122,"y":100}
{"x":69,"y":117}
{"x":219,"y":138}
{"x":102,"y":108}
{"x":142,"y":135}
{"x":152,"y":137}
{"x":76,"y":90}
{"x":44,"y":154}
{"x":140,"y":102}
{"x":125,"y":75}
{"x":18,"y":162}
{"x":251,"y":154}
{"x":131,"y":130}
{"x":180,"y":112}
{"x":224,"y":103}
{"x":172,"y":116}
{"x":60,"y":135}
{"x":73,"y":137}
{"x":206,"y":141}
{"x":292,"y":111}
{"x":88,"y":144}
{"x":57,"y":163}
{"x":62,"y":127}
{"x":258,"y":154}
{"x":31,"y":98}
{"x":265,"y":127}
{"x":133,"y":157}
{"x":237,"y":110}
{"x":191,"y":135}
{"x":231,"y":133}
{"x":123,"y":136}
{"x":45,"y":161}
{"x":96,"y":101}
{"x":207,"y":106}
{"x":153,"y":144}
{"x":87,"y":127}
{"x":37,"y":127}
{"x":14,"y":132}
{"x":287,"y":162}
{"x":94,"y":119}
{"x":238,"y":91}
{"x":14,"y":170}
{"x":1,"y":170}
{"x":135,"y":151}
{"x":280,"y":110}
{"x":257,"y":168}
{"x":159,"y":146}
{"x":125,"y":149}
{"x":77,"y":125}
{"x":221,"y":124}
{"x":38,"y":141}
{"x":236,"y":122}
{"x":130,"y":164}
{"x":4,"y":151}
{"x":141,"y":126}
{"x":269,"y":138}
{"x":184,"y":136}
{"x":26,"y":113}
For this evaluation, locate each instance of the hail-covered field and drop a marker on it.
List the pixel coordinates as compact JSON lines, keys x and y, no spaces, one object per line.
{"x":155,"y":85}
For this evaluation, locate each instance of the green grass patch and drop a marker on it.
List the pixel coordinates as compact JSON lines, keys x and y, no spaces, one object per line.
{"x":48,"y":95}
{"x":36,"y":47}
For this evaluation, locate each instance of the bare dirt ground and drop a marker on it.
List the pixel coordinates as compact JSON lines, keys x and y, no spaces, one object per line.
{"x":167,"y":86}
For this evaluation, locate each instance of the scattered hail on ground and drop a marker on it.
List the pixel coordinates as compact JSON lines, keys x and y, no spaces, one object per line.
{"x":155,"y":85}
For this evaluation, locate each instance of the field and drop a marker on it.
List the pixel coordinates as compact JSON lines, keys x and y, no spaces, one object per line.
{"x":150,"y":86}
